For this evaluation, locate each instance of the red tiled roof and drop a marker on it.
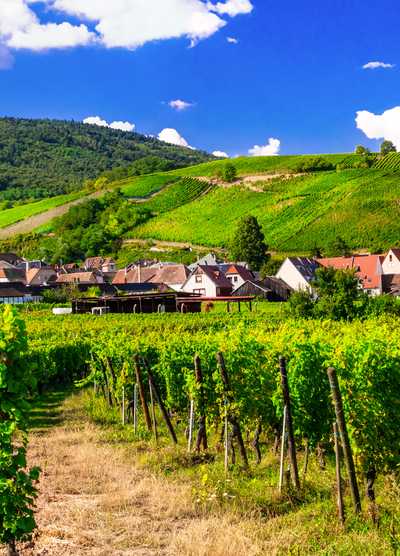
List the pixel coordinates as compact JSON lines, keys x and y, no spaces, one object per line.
{"x":367,"y":268}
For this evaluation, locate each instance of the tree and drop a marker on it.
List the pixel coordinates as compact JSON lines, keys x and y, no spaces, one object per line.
{"x":387,"y":147}
{"x":229,"y":173}
{"x":360,"y":149}
{"x":340,"y":247}
{"x":249,"y":243}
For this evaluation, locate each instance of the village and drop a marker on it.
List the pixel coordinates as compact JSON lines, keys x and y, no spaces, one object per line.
{"x":208,"y":279}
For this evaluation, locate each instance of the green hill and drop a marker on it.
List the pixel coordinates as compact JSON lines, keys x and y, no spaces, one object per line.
{"x":297,"y":214}
{"x":42,"y":158}
{"x":302,"y":202}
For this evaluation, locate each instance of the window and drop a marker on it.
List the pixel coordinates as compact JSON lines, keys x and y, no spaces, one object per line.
{"x":235,"y":278}
{"x":200,"y":291}
{"x":199,"y":279}
{"x":390,"y":258}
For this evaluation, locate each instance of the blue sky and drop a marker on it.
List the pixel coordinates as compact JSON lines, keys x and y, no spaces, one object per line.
{"x":296,"y":73}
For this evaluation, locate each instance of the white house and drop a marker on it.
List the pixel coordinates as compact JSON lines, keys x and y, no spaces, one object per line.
{"x":298,"y":272}
{"x":238,"y":275}
{"x":207,"y":281}
{"x":391,"y":263}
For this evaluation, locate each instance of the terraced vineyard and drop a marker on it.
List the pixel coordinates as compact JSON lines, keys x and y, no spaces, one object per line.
{"x":179,"y":193}
{"x":389,"y":162}
{"x":362,"y":206}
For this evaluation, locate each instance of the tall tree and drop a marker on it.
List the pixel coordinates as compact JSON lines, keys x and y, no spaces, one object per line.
{"x":388,"y":147}
{"x":249,"y":243}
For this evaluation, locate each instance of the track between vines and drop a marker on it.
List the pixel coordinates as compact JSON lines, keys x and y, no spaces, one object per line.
{"x":95,"y":501}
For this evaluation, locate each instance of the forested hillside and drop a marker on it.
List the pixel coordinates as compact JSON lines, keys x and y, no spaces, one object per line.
{"x":41,"y":158}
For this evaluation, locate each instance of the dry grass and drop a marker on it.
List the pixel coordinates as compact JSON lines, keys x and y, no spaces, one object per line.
{"x":94,"y":500}
{"x":98,"y":498}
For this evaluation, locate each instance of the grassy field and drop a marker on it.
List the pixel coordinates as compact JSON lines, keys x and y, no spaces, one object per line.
{"x":362,"y":206}
{"x":265,"y":164}
{"x":16,"y":214}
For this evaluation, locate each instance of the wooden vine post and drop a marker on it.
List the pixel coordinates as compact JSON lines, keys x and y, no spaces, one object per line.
{"x":236,"y":431}
{"x":338,"y":475}
{"x":142,"y":394}
{"x":202,"y":431}
{"x":290,"y":433}
{"x":160,"y":403}
{"x":348,"y":456}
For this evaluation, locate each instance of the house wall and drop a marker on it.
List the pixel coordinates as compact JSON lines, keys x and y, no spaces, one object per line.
{"x":289,"y":274}
{"x":236,"y":280}
{"x":391,"y":264}
{"x":192,"y":286}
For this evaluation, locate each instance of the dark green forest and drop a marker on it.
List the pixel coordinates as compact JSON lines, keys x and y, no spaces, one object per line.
{"x":42,"y":158}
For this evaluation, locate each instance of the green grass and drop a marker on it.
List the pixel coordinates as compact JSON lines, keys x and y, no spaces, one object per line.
{"x":264,"y":164}
{"x":16,"y":214}
{"x":303,"y":522}
{"x":362,"y":206}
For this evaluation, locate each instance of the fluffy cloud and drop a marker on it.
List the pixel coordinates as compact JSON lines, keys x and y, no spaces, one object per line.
{"x":272,"y":148}
{"x":169,"y":135}
{"x":381,"y":126}
{"x":376,"y":65}
{"x":20,"y":28}
{"x":220,"y":154}
{"x":179,"y":104}
{"x":6,"y":58}
{"x":120,"y":23}
{"x":232,"y":7}
{"x":232,"y":40}
{"x":96,"y":120}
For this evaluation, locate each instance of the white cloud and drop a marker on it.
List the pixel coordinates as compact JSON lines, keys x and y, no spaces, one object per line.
{"x":232,"y":40}
{"x":272,"y":148}
{"x":376,"y":65}
{"x":42,"y":37}
{"x":381,"y":126}
{"x":232,"y":7}
{"x":169,"y":135}
{"x":96,"y":120}
{"x":21,"y":28}
{"x":220,"y":154}
{"x":122,"y":126}
{"x":120,"y":23}
{"x":6,"y":58}
{"x":179,"y":104}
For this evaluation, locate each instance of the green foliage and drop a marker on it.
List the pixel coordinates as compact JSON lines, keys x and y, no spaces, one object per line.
{"x":390,"y":162}
{"x":360,"y":149}
{"x":387,"y":147}
{"x":228,"y":172}
{"x":339,"y":248}
{"x":249,"y":244}
{"x":17,"y":490}
{"x":42,"y":158}
{"x":95,"y":227}
{"x":314,"y":164}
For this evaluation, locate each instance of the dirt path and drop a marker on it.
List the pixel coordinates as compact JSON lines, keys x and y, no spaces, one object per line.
{"x":94,"y":500}
{"x":158,"y":244}
{"x":33,"y":222}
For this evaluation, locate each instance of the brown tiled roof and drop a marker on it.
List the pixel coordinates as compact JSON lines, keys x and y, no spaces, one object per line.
{"x":77,"y":277}
{"x":40,"y":276}
{"x":98,"y":262}
{"x":215,"y":274}
{"x":391,"y":284}
{"x":157,"y":274}
{"x":12,"y":275}
{"x":243,"y":272}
